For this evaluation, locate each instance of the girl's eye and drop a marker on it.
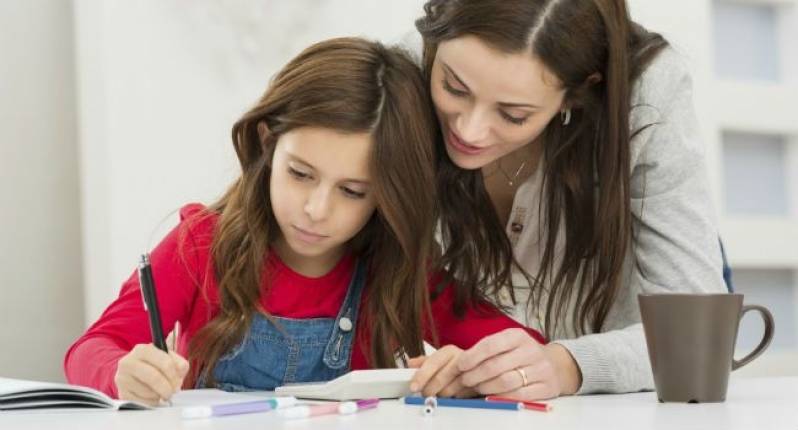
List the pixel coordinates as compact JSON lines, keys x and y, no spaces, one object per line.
{"x":298,"y":174}
{"x":513,"y":120}
{"x":453,"y":91}
{"x":352,"y":194}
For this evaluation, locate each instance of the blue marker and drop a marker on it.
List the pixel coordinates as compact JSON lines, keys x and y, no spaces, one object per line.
{"x":465,"y":403}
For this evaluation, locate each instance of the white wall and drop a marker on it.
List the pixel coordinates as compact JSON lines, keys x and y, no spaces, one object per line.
{"x":159,"y":84}
{"x":41,"y":297}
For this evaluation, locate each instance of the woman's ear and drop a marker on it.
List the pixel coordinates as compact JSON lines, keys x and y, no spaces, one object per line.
{"x":574,"y":98}
{"x":593,"y":79}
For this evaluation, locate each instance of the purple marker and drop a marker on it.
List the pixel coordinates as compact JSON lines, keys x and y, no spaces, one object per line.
{"x":238,"y":408}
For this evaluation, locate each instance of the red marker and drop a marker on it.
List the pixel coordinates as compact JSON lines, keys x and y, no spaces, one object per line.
{"x":535,"y":406}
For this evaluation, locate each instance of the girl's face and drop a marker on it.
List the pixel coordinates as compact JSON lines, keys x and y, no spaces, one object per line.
{"x":490,"y":103}
{"x":320,"y":194}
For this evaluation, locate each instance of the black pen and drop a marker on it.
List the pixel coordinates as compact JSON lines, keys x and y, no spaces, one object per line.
{"x":151,"y":302}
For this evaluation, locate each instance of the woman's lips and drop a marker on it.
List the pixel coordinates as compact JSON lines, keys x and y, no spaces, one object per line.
{"x":458,"y":145}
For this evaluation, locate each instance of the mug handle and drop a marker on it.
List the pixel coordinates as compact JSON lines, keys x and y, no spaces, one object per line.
{"x":767,"y":317}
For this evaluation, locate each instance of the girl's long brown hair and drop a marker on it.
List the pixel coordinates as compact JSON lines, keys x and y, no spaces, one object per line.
{"x":347,"y":85}
{"x":586,"y":179}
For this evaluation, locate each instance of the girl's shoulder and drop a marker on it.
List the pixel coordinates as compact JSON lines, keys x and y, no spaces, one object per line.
{"x":197,"y":226}
{"x":199,"y":216}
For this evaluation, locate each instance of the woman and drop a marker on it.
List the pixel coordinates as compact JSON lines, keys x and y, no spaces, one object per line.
{"x":572,"y":178}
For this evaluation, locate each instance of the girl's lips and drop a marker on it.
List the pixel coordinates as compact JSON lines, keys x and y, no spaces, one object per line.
{"x":307,"y":236}
{"x":458,"y":145}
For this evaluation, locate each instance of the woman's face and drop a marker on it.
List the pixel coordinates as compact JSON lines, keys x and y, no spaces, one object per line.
{"x":490,"y":103}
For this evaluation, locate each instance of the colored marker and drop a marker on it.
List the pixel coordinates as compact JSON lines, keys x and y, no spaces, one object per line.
{"x":238,"y":408}
{"x":464,"y":403}
{"x":342,"y":408}
{"x":535,"y":406}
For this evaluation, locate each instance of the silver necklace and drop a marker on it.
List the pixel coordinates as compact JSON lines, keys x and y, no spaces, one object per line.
{"x":511,"y":180}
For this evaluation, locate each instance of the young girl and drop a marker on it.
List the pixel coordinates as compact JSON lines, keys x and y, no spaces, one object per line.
{"x":314,"y":261}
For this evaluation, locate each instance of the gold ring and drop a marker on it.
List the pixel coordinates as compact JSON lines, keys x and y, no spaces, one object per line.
{"x":523,"y":376}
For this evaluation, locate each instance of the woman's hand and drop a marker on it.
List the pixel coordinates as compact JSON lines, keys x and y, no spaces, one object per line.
{"x":148,"y":375}
{"x":438,"y":374}
{"x":513,"y":364}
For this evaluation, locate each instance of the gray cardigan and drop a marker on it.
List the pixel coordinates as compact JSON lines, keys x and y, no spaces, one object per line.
{"x":676,"y":248}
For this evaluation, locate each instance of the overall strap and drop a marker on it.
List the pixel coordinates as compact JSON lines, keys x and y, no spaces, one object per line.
{"x":337,"y":352}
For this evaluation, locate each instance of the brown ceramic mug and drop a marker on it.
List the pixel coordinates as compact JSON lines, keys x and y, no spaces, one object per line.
{"x":691,"y":339}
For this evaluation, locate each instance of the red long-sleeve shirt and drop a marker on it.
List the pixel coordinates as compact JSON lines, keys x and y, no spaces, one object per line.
{"x":187,"y":292}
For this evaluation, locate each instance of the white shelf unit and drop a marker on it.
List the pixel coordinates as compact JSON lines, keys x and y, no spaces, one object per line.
{"x":761,"y":247}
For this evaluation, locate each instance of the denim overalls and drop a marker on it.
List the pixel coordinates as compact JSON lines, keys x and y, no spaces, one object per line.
{"x":299,"y":350}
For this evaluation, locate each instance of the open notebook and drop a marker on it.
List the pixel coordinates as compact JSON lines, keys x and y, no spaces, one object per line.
{"x":16,"y":394}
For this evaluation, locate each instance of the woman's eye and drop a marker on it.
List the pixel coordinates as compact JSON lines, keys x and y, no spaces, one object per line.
{"x":513,"y":120}
{"x":460,"y":93}
{"x":452,"y":90}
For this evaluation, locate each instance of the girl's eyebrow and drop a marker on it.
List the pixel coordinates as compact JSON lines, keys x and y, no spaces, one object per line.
{"x":502,"y":104}
{"x":295,"y":157}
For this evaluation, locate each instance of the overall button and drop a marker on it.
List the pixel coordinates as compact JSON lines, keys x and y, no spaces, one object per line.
{"x":345,"y":324}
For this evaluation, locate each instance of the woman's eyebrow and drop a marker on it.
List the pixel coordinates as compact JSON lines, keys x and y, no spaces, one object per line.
{"x":518,"y":105}
{"x":454,"y":75}
{"x":502,"y":104}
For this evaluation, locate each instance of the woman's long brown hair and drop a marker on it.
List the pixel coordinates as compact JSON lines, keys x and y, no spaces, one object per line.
{"x":347,"y":85}
{"x":587,"y":164}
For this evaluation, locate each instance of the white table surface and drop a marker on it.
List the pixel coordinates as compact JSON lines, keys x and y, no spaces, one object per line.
{"x":752,"y":403}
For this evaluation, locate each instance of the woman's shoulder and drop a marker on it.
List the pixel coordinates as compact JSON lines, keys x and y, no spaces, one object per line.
{"x":666,"y":141}
{"x":666,"y":78}
{"x":669,"y":61}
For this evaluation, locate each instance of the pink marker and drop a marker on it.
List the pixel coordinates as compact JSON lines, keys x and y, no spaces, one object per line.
{"x":342,"y":408}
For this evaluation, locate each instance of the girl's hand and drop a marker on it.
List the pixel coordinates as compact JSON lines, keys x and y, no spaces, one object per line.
{"x":513,"y":364}
{"x":438,"y":375}
{"x":148,"y":375}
